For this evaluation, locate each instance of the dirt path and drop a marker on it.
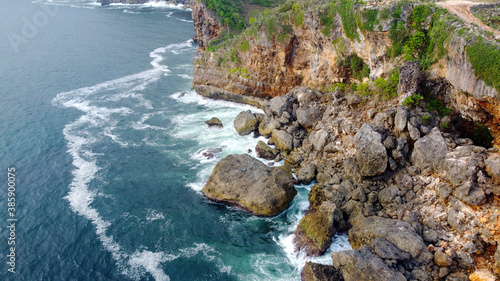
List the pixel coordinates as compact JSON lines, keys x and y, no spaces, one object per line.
{"x":461,"y":8}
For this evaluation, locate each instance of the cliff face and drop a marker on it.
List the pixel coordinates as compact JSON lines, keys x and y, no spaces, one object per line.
{"x":206,"y":25}
{"x":307,"y":57}
{"x":470,"y":96}
{"x":311,"y":57}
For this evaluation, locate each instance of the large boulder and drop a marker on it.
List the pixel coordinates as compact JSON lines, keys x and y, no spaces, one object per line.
{"x":265,"y":151}
{"x":248,"y":184}
{"x":306,"y":174}
{"x":429,"y":151}
{"x":308,"y":117}
{"x":245,"y":123}
{"x":371,"y":154}
{"x":399,"y":233}
{"x":320,"y":272}
{"x":316,"y":229}
{"x":318,"y":139}
{"x":280,"y":104}
{"x":283,"y":140}
{"x":362,"y":264}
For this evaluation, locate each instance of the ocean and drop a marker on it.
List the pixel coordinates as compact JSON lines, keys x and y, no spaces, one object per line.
{"x":108,"y":141}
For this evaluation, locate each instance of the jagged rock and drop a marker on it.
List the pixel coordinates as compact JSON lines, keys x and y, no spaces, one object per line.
{"x":464,"y":260}
{"x":493,"y":166}
{"x":430,"y":236}
{"x":410,"y":77}
{"x":265,"y":151}
{"x":457,"y":277}
{"x":306,"y":174}
{"x":401,"y":119}
{"x":389,"y":142}
{"x":308,"y":117}
{"x":470,"y":193}
{"x":316,"y":229}
{"x":283,"y":140}
{"x":214,"y":122}
{"x":318,"y":139}
{"x":351,"y":170}
{"x":461,"y":165}
{"x":399,"y":233}
{"x":442,"y":259}
{"x":496,"y":266}
{"x":247,"y":183}
{"x":389,"y":196}
{"x":245,"y":123}
{"x":429,"y":151}
{"x":414,"y":132}
{"x":387,"y":250}
{"x":482,"y":275}
{"x":420,"y":275}
{"x":280,"y":104}
{"x":267,"y":126}
{"x":371,"y":155}
{"x":362,"y":264}
{"x":320,"y":272}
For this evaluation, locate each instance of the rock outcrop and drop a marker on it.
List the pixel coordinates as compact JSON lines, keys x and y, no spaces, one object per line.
{"x":214,"y":122}
{"x":371,"y":154}
{"x":248,"y":184}
{"x":245,"y":123}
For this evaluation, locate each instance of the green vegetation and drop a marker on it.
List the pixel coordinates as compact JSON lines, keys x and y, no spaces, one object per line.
{"x":482,"y":135}
{"x":240,"y":71}
{"x":414,"y":46}
{"x":489,"y":16}
{"x":359,"y":68}
{"x":425,"y":118}
{"x":412,"y":100}
{"x":419,"y":15}
{"x":385,"y":14}
{"x":345,"y":8}
{"x":326,"y":18}
{"x":438,"y":106}
{"x":297,"y":15}
{"x":229,"y":12}
{"x":245,"y":46}
{"x":371,"y":19}
{"x":445,"y":126}
{"x":388,"y":88}
{"x":485,"y":60}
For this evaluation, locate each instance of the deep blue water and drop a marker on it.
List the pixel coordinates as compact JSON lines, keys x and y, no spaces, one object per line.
{"x":108,"y":152}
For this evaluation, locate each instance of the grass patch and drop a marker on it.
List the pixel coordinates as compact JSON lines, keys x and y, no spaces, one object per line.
{"x":345,"y":9}
{"x":371,"y":19}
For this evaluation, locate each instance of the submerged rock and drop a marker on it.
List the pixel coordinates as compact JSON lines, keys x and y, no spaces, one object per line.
{"x":248,"y":184}
{"x":245,"y":123}
{"x":214,"y":122}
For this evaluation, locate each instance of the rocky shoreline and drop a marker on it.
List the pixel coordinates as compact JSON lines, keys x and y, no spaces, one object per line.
{"x":401,"y":174}
{"x":419,"y":201}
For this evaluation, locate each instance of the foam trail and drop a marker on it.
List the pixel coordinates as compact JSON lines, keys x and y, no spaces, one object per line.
{"x":100,"y":117}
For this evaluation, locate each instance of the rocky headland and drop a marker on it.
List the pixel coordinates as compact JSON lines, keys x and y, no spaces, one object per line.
{"x":402,"y":145}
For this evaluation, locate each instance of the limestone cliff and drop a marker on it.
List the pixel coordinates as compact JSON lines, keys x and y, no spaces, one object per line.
{"x":258,"y":63}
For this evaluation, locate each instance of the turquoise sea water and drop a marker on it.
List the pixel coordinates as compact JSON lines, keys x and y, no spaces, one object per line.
{"x":107,"y":138}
